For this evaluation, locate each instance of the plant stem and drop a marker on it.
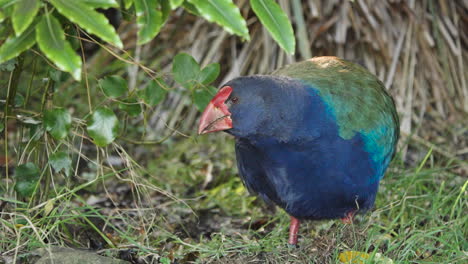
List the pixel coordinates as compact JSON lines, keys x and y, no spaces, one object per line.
{"x":26,"y":101}
{"x":10,"y":101}
{"x":45,"y":94}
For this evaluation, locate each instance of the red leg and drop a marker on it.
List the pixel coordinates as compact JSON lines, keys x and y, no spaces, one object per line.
{"x":348,"y":219}
{"x":293,"y":229}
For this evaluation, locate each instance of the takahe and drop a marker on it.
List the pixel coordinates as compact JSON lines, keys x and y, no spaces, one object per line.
{"x":314,"y":137}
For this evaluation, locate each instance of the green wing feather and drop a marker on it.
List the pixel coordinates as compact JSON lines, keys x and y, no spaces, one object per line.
{"x":356,"y":98}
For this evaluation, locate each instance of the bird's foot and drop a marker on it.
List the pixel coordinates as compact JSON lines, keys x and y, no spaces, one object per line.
{"x":293,"y":229}
{"x":349,"y":218}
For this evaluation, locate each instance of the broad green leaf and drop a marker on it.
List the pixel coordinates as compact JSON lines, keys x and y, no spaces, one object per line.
{"x":7,"y":3}
{"x":185,"y":69}
{"x":154,"y":92}
{"x":201,"y":97}
{"x":149,"y":20}
{"x":51,"y":40}
{"x":209,"y":73}
{"x":89,"y":19}
{"x":14,"y":45}
{"x":23,"y":14}
{"x":276,"y":22}
{"x":26,"y":176}
{"x":103,"y":126}
{"x":224,"y":13}
{"x":175,"y":3}
{"x":100,"y":3}
{"x":2,"y":125}
{"x":60,"y":161}
{"x":113,"y":86}
{"x":131,"y":106}
{"x":57,"y":122}
{"x":128,"y":3}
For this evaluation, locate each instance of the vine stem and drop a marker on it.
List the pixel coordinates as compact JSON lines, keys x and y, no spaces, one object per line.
{"x":10,"y":101}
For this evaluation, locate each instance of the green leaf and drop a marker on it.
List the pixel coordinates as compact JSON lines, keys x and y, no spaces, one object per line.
{"x":149,"y":20}
{"x":26,"y":175}
{"x":51,"y":40}
{"x":57,"y":122}
{"x":175,"y":3}
{"x":191,"y":8}
{"x":276,"y":22}
{"x":15,"y":45}
{"x":113,"y":86}
{"x":224,"y":13}
{"x":60,"y":162}
{"x":209,"y":73}
{"x":131,"y":106}
{"x":100,"y":3}
{"x":2,"y":16}
{"x":154,"y":92}
{"x":201,"y":97}
{"x":23,"y":14}
{"x":2,"y":126}
{"x":103,"y":126}
{"x":185,"y":69}
{"x":7,"y":3}
{"x":165,"y":10}
{"x":89,"y":19}
{"x":128,"y":3}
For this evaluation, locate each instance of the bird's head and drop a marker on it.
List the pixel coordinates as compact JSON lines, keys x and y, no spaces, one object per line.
{"x":250,"y":105}
{"x":238,"y":108}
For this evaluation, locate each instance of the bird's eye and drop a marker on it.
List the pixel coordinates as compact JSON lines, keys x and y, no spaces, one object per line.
{"x":234,"y":100}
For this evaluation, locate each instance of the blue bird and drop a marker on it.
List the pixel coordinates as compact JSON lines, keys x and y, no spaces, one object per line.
{"x":314,"y":137}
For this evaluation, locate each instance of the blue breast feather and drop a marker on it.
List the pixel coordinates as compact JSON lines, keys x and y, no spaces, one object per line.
{"x":314,"y":173}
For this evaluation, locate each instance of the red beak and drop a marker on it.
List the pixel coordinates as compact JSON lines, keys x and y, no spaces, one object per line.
{"x":216,"y":116}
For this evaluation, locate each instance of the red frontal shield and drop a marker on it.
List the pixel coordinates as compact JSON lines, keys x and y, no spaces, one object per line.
{"x":216,"y":116}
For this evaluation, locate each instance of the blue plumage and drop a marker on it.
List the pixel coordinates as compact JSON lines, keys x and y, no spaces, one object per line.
{"x":315,"y":138}
{"x":299,"y":161}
